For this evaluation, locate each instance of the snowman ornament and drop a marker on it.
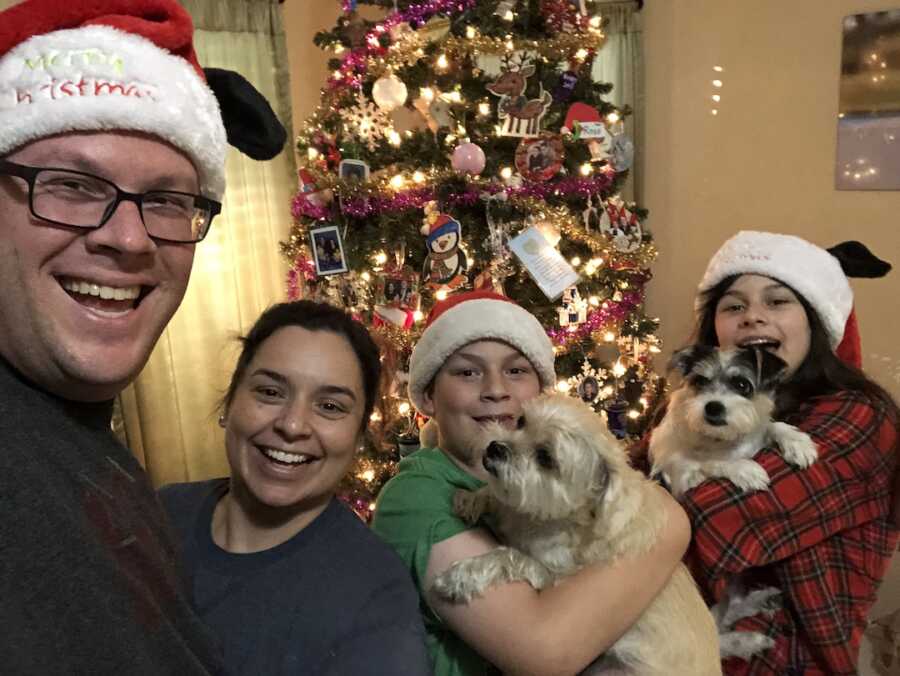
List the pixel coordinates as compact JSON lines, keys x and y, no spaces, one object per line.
{"x":445,"y":263}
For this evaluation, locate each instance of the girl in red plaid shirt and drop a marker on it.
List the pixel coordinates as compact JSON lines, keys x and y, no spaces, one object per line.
{"x":823,"y":535}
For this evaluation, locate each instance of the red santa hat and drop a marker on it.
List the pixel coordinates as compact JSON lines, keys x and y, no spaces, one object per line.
{"x":97,"y":65}
{"x":464,"y":318}
{"x":817,"y":274}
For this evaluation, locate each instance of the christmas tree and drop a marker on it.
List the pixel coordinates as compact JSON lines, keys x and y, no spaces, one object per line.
{"x":463,"y":144}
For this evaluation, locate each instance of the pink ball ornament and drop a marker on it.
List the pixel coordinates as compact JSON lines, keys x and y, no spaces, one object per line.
{"x":468,"y":158}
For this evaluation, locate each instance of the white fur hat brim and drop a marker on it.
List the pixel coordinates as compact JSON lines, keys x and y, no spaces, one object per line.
{"x":479,"y":319}
{"x":808,"y":269}
{"x":99,"y":78}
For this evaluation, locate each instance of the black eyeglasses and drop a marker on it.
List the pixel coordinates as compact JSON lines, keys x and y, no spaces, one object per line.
{"x":79,"y":200}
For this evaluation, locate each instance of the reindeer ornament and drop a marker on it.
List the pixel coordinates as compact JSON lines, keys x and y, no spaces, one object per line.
{"x":521,"y":116}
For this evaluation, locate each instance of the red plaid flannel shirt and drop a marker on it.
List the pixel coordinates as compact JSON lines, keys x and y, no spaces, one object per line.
{"x":821,"y":535}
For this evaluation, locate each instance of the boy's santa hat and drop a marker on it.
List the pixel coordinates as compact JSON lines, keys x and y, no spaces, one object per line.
{"x":464,"y":318}
{"x":104,"y":65}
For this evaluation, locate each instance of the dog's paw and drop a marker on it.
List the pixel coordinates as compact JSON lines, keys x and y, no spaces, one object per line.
{"x":470,"y":505}
{"x":743,"y":644}
{"x":683,"y":479}
{"x":747,"y":475}
{"x":796,"y":447}
{"x":457,"y":584}
{"x":764,"y":601}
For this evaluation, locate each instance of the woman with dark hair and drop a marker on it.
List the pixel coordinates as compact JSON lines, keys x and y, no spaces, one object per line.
{"x":824,"y":535}
{"x":286,"y":575}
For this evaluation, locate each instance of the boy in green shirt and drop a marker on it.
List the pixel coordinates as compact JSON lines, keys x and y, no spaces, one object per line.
{"x":480,"y":357}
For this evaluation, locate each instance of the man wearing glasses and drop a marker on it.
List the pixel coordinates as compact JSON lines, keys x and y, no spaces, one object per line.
{"x":112,"y":150}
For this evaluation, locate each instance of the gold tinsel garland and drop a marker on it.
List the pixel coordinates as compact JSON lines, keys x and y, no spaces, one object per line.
{"x":559,"y":48}
{"x":569,"y":225}
{"x":410,"y":48}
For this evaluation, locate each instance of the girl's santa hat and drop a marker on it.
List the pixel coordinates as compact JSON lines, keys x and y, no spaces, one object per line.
{"x":817,"y":274}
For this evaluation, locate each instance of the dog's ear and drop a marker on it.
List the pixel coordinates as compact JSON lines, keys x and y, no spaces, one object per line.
{"x":769,"y":368}
{"x":685,"y":359}
{"x":602,"y":479}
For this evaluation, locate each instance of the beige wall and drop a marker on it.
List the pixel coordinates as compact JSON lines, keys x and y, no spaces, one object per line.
{"x":766,"y":161}
{"x":302,"y":20}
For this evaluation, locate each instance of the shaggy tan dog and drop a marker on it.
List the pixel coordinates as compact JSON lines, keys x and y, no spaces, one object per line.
{"x":561,"y":495}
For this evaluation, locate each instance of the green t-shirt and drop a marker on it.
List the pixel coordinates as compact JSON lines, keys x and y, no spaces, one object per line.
{"x":414,"y":511}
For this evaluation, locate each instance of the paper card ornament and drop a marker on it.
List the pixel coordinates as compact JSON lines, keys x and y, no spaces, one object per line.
{"x":540,"y":159}
{"x":445,"y":262}
{"x":520,"y":115}
{"x":624,"y":228}
{"x":549,"y":270}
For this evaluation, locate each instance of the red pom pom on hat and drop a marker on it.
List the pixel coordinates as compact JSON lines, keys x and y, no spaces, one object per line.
{"x":850,"y":348}
{"x":164,"y":22}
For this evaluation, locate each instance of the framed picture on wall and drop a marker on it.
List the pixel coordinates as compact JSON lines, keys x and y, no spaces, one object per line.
{"x":868,"y":138}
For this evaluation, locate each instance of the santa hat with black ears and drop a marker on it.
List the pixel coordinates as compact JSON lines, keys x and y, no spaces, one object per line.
{"x":817,"y":274}
{"x":856,"y":261}
{"x":104,"y":65}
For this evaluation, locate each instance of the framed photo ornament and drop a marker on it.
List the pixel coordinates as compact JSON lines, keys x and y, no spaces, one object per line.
{"x":327,"y":250}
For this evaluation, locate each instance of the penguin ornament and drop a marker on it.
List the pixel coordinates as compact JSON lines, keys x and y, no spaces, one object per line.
{"x":445,"y":263}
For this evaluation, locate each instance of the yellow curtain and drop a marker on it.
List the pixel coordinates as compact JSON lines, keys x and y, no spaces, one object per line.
{"x":168,"y":415}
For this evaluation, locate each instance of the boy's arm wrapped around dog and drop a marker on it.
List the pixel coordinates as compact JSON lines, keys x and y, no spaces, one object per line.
{"x":790,"y":526}
{"x":561,"y":629}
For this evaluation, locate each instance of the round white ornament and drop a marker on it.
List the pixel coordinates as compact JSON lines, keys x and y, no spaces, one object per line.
{"x":389,"y":92}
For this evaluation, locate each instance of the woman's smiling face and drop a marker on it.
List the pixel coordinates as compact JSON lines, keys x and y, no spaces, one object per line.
{"x":295,"y":421}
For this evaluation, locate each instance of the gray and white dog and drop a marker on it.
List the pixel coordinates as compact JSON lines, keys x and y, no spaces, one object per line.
{"x":721,"y":417}
{"x":561,"y":495}
{"x":716,"y":422}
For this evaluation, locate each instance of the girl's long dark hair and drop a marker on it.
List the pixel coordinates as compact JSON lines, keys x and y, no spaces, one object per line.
{"x":822,"y":372}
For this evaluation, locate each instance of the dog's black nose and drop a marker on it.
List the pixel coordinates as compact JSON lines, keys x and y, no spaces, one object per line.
{"x":496,"y":451}
{"x":714,"y":412}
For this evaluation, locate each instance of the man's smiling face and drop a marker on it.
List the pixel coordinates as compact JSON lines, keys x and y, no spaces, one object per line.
{"x":82,"y":309}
